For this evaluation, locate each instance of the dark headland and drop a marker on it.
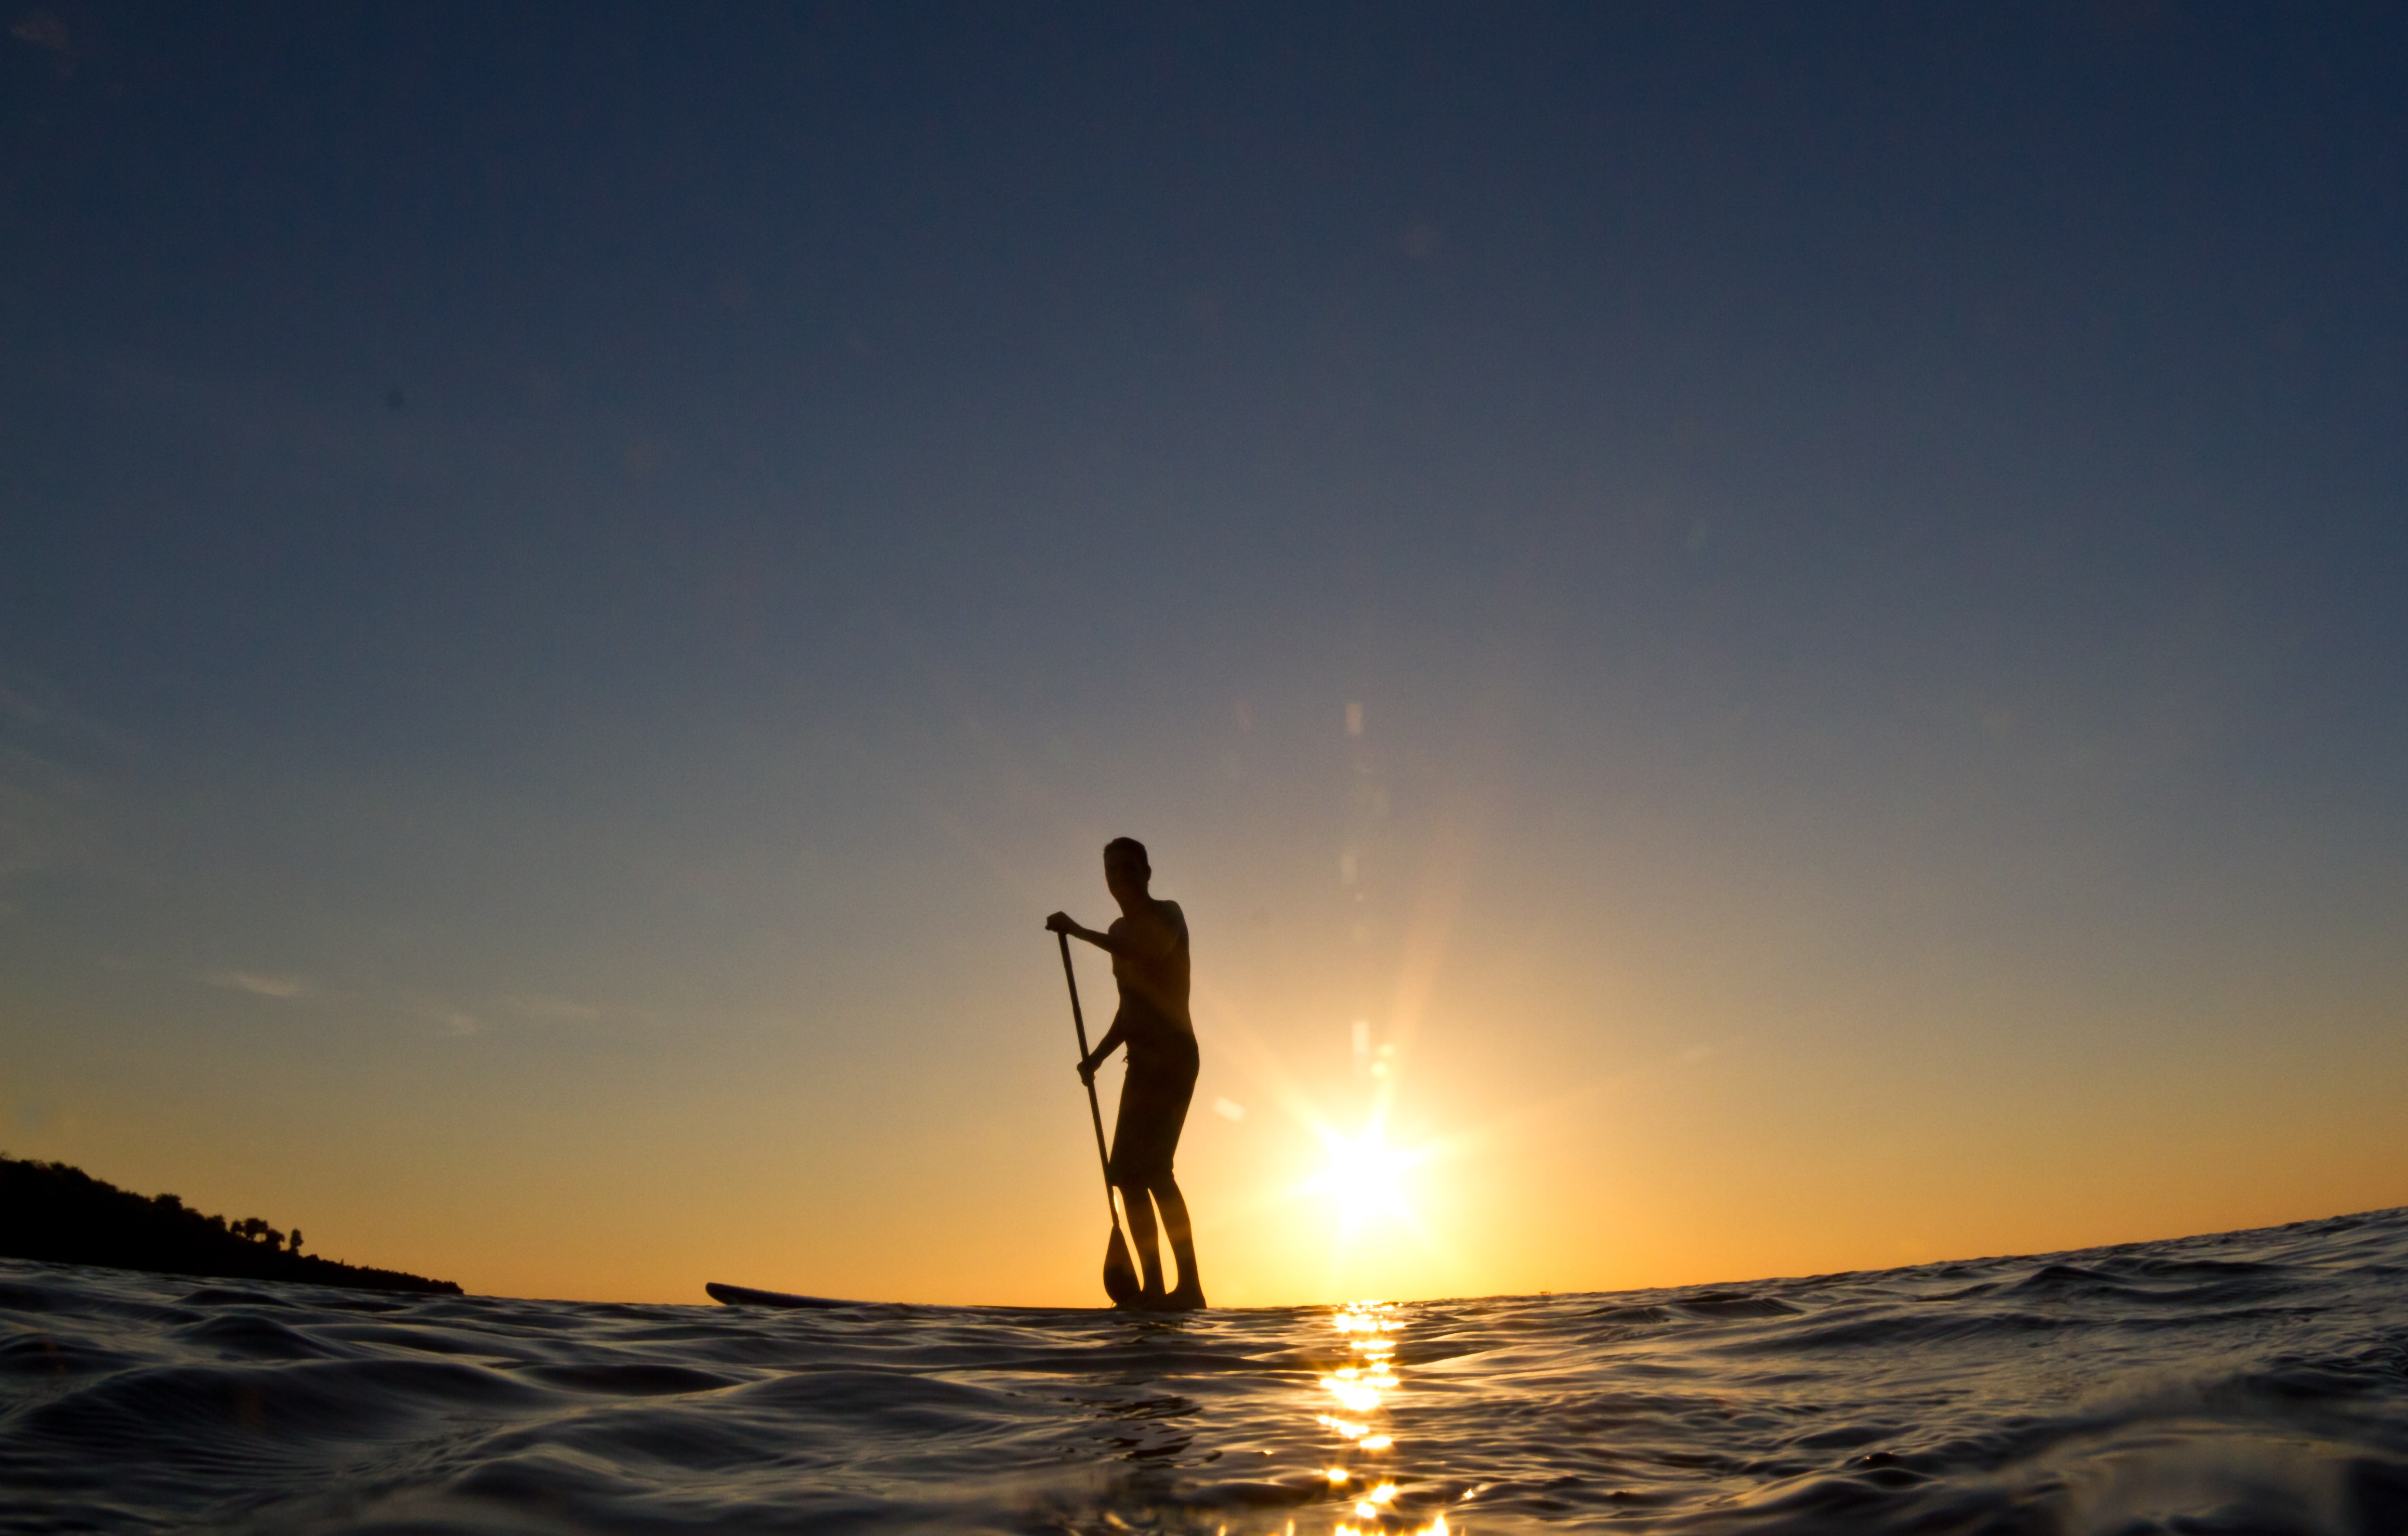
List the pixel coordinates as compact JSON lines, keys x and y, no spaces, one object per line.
{"x":63,"y":1216}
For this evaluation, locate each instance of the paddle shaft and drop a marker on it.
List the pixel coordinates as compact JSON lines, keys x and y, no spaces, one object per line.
{"x":1095,"y":1110}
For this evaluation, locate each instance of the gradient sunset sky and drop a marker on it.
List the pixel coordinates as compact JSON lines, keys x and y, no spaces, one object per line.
{"x":1772,"y":634}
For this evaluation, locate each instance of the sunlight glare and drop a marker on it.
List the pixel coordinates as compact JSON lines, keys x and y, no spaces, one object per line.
{"x":1365,"y":1175}
{"x":1360,"y":1385}
{"x":1353,"y":1395}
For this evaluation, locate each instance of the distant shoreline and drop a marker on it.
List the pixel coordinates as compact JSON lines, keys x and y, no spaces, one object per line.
{"x":59,"y":1215}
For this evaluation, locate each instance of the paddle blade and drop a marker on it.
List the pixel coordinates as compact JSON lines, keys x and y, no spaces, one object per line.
{"x":1120,"y":1276}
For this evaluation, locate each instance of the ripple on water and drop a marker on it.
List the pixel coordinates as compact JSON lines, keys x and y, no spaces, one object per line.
{"x":2251,"y":1382}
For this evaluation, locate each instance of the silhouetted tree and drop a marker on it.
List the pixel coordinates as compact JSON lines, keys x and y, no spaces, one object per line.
{"x":58,"y":1214}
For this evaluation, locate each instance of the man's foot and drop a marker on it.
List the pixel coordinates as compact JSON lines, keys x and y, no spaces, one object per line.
{"x":1187,"y":1298}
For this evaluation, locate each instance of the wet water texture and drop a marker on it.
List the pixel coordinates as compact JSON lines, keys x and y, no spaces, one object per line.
{"x":2255,"y":1382}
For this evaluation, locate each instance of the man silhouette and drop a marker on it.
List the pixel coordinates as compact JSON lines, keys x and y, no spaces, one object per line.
{"x":1148,"y":943}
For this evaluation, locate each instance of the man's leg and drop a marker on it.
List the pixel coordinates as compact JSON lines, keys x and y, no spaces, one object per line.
{"x":1190,"y":1292}
{"x":1140,"y":1231}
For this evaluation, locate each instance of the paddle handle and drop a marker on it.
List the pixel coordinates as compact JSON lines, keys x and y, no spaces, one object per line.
{"x":1095,"y":1110}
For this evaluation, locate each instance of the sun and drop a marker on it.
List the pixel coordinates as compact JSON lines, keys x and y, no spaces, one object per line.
{"x":1365,"y":1176}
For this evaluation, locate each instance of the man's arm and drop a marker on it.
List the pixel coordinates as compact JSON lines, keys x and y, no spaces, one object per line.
{"x":1065,"y":923}
{"x":1134,"y":941}
{"x":1143,"y":937}
{"x":1102,"y":1053}
{"x":1110,"y":944}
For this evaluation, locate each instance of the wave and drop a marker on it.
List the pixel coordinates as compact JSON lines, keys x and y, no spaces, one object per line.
{"x":2241,"y":1382}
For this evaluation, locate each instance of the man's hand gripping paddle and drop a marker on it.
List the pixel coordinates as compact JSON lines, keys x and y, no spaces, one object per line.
{"x":1120,"y":1276}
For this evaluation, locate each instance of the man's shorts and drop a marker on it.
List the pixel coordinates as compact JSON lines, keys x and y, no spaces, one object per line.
{"x":1153,"y":1110}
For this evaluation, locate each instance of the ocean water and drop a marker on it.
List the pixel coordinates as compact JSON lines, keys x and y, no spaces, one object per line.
{"x":2251,"y":1382}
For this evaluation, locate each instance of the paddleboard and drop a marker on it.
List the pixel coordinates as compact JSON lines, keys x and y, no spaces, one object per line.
{"x":745,"y":1296}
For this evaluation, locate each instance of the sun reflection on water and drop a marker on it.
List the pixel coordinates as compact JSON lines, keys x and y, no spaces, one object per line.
{"x":1360,"y":1464}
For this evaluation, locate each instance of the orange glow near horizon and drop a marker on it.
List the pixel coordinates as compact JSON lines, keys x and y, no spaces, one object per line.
{"x":1446,"y":1098}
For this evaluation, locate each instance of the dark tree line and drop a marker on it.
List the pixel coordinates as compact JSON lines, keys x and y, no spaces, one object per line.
{"x":250,"y":1229}
{"x":61,"y":1213}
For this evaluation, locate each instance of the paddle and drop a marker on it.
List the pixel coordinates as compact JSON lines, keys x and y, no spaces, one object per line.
{"x":1120,"y":1276}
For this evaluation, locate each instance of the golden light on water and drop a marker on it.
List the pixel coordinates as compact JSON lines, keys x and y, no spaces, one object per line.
{"x":1363,"y":1388}
{"x":1355,"y":1397}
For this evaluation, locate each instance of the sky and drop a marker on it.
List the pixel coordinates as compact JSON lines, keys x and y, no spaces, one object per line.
{"x":1759,"y":639}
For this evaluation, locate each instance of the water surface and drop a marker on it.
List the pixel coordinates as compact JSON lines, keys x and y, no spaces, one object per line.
{"x":2254,"y":1382}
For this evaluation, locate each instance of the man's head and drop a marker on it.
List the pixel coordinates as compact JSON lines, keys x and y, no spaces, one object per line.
{"x":1125,"y":868}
